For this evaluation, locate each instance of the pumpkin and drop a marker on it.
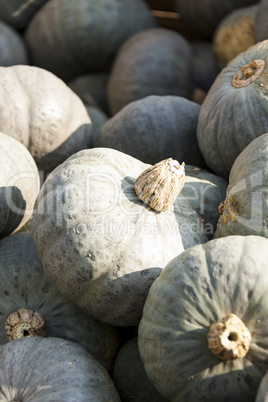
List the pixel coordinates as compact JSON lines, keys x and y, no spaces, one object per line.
{"x":52,"y":369}
{"x":154,"y":128}
{"x":92,"y":232}
{"x":204,"y":330}
{"x":234,"y":34}
{"x":203,"y":16}
{"x":73,"y":38}
{"x":262,"y":392}
{"x":27,"y":297}
{"x":130,"y":378}
{"x":244,"y":211}
{"x":17,"y":13}
{"x":19,"y":185}
{"x":260,"y":21}
{"x":13,"y":49}
{"x":156,"y":61}
{"x":205,"y":65}
{"x":98,"y":119}
{"x":43,"y":113}
{"x":235,"y":109}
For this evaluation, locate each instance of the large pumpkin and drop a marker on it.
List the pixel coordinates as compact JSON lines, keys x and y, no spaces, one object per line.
{"x":52,"y":369}
{"x":71,"y":38}
{"x":203,"y":335}
{"x":43,"y":113}
{"x":19,"y":185}
{"x":98,"y":242}
{"x":235,"y":109}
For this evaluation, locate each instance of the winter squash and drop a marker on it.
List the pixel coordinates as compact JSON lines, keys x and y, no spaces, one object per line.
{"x":244,"y":210}
{"x":205,"y":65}
{"x":27,"y":298}
{"x":203,"y":16}
{"x":234,"y":34}
{"x":56,"y":370}
{"x":43,"y":113}
{"x":98,"y":119}
{"x":234,"y":110}
{"x":13,"y":49}
{"x":92,"y":233}
{"x":130,"y":378}
{"x":156,"y":61}
{"x":19,"y":185}
{"x":73,"y":38}
{"x":154,"y":128}
{"x":17,"y":13}
{"x":203,"y":333}
{"x":260,"y":21}
{"x":262,"y":391}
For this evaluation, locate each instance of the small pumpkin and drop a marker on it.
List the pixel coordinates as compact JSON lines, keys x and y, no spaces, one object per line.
{"x":46,"y":369}
{"x":204,"y":330}
{"x":155,"y":61}
{"x":235,"y":109}
{"x":92,"y":232}
{"x":19,"y":185}
{"x":17,"y":13}
{"x":13,"y":48}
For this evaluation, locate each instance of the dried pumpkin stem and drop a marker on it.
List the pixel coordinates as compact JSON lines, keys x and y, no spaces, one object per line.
{"x":248,"y":73}
{"x":229,"y":338}
{"x":24,"y":323}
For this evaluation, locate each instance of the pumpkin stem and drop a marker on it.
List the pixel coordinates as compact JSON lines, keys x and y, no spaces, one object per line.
{"x":24,"y":323}
{"x":229,"y":338}
{"x":248,"y":73}
{"x":159,"y":185}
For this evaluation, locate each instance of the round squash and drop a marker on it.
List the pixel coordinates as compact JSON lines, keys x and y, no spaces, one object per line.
{"x":93,"y":234}
{"x":13,"y":49}
{"x":24,"y":289}
{"x":154,"y":128}
{"x":19,"y":185}
{"x":44,"y":114}
{"x":244,"y":210}
{"x":203,"y":335}
{"x":18,"y":13}
{"x":71,"y":38}
{"x":52,"y":369}
{"x":205,"y":65}
{"x":260,"y":21}
{"x":235,"y":109}
{"x":156,"y":61}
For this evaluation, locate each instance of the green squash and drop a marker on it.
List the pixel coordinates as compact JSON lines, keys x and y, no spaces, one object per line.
{"x":154,"y":128}
{"x":24,"y":285}
{"x":244,"y":211}
{"x":235,"y":109}
{"x":156,"y":61}
{"x":52,"y":369}
{"x":203,"y":335}
{"x":13,"y":48}
{"x":17,"y":13}
{"x":71,"y":38}
{"x":93,"y":234}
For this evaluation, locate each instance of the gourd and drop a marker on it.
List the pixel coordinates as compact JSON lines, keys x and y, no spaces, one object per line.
{"x":13,"y":49}
{"x":203,"y":333}
{"x":92,"y":232}
{"x":244,"y":210}
{"x":235,"y":109}
{"x":260,"y":21}
{"x":31,"y":306}
{"x":18,"y":13}
{"x":43,"y":113}
{"x":46,"y":369}
{"x":73,"y":38}
{"x":154,"y":128}
{"x":19,"y":185}
{"x":262,"y":391}
{"x":156,"y":61}
{"x":234,"y":34}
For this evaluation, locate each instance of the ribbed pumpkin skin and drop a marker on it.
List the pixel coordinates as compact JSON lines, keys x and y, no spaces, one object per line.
{"x":23,"y":284}
{"x":203,"y":16}
{"x":43,"y":113}
{"x":70,"y":38}
{"x":193,"y":291}
{"x":19,"y":185}
{"x":57,"y":370}
{"x":92,"y":234}
{"x":230,"y":118}
{"x":155,"y":128}
{"x":157,"y":61}
{"x":13,"y":49}
{"x":18,"y":13}
{"x":245,"y":209}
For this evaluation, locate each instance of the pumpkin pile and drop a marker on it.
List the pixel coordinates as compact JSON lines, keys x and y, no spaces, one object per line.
{"x":133,"y":201}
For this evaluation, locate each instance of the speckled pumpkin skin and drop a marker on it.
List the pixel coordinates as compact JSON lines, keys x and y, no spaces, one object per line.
{"x":230,"y":118}
{"x":245,"y":206}
{"x":93,"y":234}
{"x":57,"y":370}
{"x":194,"y":290}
